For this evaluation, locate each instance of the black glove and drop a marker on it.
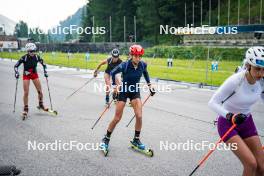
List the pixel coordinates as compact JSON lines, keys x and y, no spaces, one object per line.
{"x":237,"y":119}
{"x":152,"y":91}
{"x":46,"y":74}
{"x":17,"y":75}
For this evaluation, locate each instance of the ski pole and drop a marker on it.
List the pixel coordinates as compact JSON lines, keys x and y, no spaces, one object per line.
{"x":49,"y":93}
{"x":102,"y":113}
{"x":135,"y":114}
{"x":15,"y":97}
{"x":211,"y":151}
{"x":80,"y":88}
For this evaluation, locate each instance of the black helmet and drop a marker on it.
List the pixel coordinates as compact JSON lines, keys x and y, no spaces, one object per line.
{"x":115,"y":52}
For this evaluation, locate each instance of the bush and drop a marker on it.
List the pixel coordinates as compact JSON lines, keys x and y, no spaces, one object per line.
{"x":197,"y":52}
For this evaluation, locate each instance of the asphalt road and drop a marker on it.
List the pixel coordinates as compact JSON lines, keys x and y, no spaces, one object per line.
{"x":175,"y":117}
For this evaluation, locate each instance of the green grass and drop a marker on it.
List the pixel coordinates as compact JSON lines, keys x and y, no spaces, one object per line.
{"x":183,"y":69}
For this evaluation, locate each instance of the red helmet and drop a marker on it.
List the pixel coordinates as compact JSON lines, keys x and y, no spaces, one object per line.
{"x":136,"y":50}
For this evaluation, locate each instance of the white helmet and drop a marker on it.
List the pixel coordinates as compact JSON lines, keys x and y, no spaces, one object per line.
{"x":115,"y":52}
{"x":31,"y":47}
{"x":255,"y":56}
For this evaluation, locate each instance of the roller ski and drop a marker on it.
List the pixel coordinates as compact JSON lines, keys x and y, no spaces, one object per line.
{"x":138,"y":146}
{"x":43,"y":109}
{"x":25,"y":113}
{"x":104,"y":145}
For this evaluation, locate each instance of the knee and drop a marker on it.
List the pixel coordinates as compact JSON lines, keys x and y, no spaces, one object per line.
{"x":117,"y":119}
{"x":138,"y":117}
{"x":251,"y":165}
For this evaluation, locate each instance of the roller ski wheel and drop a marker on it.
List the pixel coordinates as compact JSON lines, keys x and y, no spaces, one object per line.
{"x":47,"y":110}
{"x":104,"y":150}
{"x":147,"y":152}
{"x":24,"y":115}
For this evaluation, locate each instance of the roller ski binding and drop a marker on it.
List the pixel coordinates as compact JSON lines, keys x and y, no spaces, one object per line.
{"x":42,"y":108}
{"x":138,"y":146}
{"x":104,"y":145}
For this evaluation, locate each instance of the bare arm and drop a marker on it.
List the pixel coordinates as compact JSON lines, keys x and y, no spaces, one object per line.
{"x":102,"y":63}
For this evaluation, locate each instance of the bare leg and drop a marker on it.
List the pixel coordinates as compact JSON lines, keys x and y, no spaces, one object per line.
{"x":118,"y":115}
{"x":107,"y":83}
{"x":40,"y":94}
{"x":244,"y":155}
{"x":26,"y":84}
{"x":255,"y":146}
{"x":137,"y":106}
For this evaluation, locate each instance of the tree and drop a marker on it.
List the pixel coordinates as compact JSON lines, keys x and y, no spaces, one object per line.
{"x":86,"y":22}
{"x":68,"y":37}
{"x":21,"y":29}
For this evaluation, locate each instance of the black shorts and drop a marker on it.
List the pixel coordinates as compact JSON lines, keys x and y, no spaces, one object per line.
{"x":131,"y":95}
{"x":108,"y":72}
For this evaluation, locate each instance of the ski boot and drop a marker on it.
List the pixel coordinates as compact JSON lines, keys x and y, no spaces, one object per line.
{"x":114,"y":96}
{"x":107,"y":101}
{"x":138,"y":146}
{"x":42,"y":108}
{"x":25,"y":113}
{"x":104,"y":145}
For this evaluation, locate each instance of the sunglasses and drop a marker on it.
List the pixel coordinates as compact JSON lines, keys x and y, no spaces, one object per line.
{"x":260,"y":62}
{"x":32,"y":51}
